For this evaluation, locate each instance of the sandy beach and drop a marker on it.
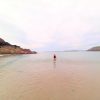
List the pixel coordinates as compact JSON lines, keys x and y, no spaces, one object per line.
{"x":73,"y":76}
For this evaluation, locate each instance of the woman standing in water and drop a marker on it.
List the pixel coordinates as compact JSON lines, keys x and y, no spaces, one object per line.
{"x":54,"y":57}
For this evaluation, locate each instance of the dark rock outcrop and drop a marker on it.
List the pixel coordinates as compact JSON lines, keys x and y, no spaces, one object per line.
{"x":7,"y":48}
{"x":3,"y":43}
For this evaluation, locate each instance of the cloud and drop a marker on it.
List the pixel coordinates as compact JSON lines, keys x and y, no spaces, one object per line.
{"x":38,"y":24}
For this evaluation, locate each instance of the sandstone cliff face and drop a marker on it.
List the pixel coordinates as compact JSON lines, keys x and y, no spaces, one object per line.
{"x":7,"y":48}
{"x":95,"y":49}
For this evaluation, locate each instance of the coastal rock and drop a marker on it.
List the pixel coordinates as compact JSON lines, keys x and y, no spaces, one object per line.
{"x":7,"y":48}
{"x":97,"y":48}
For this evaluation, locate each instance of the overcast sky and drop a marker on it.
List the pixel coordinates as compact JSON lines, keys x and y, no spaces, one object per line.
{"x":51,"y":24}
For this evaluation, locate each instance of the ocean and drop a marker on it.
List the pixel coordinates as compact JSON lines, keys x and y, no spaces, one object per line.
{"x":73,"y":76}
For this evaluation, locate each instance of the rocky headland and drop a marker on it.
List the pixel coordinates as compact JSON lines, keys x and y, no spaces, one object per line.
{"x":7,"y":48}
{"x":97,"y":48}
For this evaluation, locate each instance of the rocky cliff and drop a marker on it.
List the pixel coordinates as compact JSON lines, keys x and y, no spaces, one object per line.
{"x":7,"y":48}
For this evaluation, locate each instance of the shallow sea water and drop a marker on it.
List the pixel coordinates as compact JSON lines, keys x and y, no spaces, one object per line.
{"x":73,"y":76}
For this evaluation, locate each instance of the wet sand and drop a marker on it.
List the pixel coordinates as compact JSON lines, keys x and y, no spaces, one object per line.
{"x":38,"y":77}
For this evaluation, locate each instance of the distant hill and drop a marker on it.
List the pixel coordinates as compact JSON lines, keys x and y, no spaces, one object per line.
{"x":97,"y":48}
{"x":7,"y":48}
